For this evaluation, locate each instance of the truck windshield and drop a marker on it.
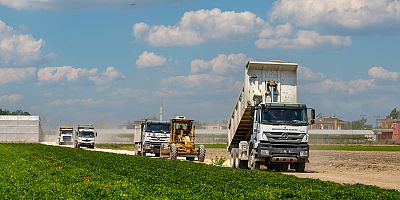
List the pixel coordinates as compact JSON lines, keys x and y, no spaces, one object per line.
{"x":161,"y":128}
{"x":87,"y":134}
{"x":66,"y":132}
{"x":295,"y":117}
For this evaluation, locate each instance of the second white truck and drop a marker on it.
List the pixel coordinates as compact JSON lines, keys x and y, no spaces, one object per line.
{"x":268,"y":126}
{"x":154,"y":134}
{"x":85,"y":136}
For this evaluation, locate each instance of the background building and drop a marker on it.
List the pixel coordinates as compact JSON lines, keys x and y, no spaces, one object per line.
{"x":19,"y":128}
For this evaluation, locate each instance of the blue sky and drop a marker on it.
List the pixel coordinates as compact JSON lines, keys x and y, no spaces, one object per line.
{"x":104,"y":60}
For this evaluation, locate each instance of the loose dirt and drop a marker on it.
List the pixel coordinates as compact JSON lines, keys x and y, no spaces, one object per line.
{"x":379,"y":168}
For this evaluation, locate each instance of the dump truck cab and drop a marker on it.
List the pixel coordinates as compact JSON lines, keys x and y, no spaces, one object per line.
{"x":85,"y":136}
{"x":153,"y":135}
{"x":268,"y":126}
{"x":65,"y":134}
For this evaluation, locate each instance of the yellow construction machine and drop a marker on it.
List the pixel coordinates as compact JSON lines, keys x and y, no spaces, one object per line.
{"x":181,"y":141}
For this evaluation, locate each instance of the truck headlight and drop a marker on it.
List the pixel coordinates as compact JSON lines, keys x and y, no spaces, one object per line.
{"x":303,"y":153}
{"x":264,"y":152}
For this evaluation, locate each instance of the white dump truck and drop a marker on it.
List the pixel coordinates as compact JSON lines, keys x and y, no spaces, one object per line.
{"x":154,"y":134}
{"x":268,"y":126}
{"x":85,"y":136}
{"x":65,"y":134}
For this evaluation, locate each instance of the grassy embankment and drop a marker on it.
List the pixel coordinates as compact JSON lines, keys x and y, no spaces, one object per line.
{"x":38,"y":171}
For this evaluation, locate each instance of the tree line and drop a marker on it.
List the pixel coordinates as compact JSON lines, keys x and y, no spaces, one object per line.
{"x":17,"y":112}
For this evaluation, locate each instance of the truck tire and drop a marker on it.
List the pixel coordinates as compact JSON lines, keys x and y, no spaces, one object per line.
{"x":233,"y":160}
{"x":174,"y":152}
{"x":157,"y":151}
{"x":300,"y":167}
{"x":202,"y":153}
{"x":243,"y":164}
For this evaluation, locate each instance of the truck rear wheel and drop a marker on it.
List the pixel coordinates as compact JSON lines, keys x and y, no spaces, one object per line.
{"x":300,"y":167}
{"x":202,"y":153}
{"x":174,"y":152}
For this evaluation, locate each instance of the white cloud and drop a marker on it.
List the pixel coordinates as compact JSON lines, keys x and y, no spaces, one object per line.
{"x":220,"y":64}
{"x":18,"y":49}
{"x":195,"y":27}
{"x":12,"y":98}
{"x":149,"y":59}
{"x":72,"y":102}
{"x":305,"y":73}
{"x":350,"y":87}
{"x":347,"y":14}
{"x":57,"y":4}
{"x":56,"y":74}
{"x":382,"y":73}
{"x":69,"y":74}
{"x":108,"y":76}
{"x":302,"y":40}
{"x":13,"y":75}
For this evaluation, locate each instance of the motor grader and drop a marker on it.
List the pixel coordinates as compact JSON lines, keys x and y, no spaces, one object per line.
{"x":181,"y":141}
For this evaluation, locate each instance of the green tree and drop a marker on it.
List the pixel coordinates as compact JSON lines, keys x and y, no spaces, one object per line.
{"x":17,"y":112}
{"x":394,"y":114}
{"x":360,"y":124}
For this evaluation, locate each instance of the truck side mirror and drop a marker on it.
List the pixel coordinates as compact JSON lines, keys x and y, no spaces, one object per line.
{"x":312,"y":116}
{"x":96,"y":134}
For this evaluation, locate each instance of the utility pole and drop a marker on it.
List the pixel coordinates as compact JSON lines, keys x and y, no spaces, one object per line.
{"x":161,"y":112}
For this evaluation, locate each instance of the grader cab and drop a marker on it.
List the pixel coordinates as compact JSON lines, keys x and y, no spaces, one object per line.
{"x":181,"y":141}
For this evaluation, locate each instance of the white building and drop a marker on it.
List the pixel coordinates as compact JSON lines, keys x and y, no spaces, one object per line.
{"x":19,"y":128}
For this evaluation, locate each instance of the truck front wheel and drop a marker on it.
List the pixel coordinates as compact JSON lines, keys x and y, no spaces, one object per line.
{"x":202,"y":153}
{"x":300,"y":167}
{"x":174,"y":152}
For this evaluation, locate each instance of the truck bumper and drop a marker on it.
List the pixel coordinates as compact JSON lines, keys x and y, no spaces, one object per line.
{"x":84,"y":144}
{"x":283,"y":152}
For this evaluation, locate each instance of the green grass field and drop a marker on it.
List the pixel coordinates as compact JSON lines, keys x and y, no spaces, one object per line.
{"x":34,"y":171}
{"x":115,"y":146}
{"x":355,"y":147}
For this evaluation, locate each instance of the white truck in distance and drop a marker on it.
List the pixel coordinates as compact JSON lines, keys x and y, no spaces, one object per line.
{"x":65,"y":135}
{"x":268,"y":126}
{"x":85,"y":136}
{"x":154,"y":134}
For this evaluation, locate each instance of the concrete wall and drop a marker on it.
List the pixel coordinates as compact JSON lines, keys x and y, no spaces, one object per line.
{"x":211,"y":136}
{"x":323,"y":136}
{"x":19,"y":128}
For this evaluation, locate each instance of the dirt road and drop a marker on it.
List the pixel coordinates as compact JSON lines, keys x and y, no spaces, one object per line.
{"x":378,"y":168}
{"x":367,"y":167}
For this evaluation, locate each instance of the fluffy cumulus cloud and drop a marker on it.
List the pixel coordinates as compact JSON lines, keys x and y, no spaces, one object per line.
{"x":216,"y":76}
{"x":305,"y":73}
{"x":69,"y":74}
{"x":341,"y":86}
{"x":16,"y":75}
{"x":220,"y":64}
{"x":382,"y":73}
{"x":195,"y":27}
{"x":287,"y":37}
{"x":11,"y":98}
{"x":18,"y":49}
{"x":110,"y":75}
{"x":346,"y":14}
{"x":73,"y":102}
{"x":150,"y":59}
{"x":56,"y":74}
{"x":57,"y":4}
